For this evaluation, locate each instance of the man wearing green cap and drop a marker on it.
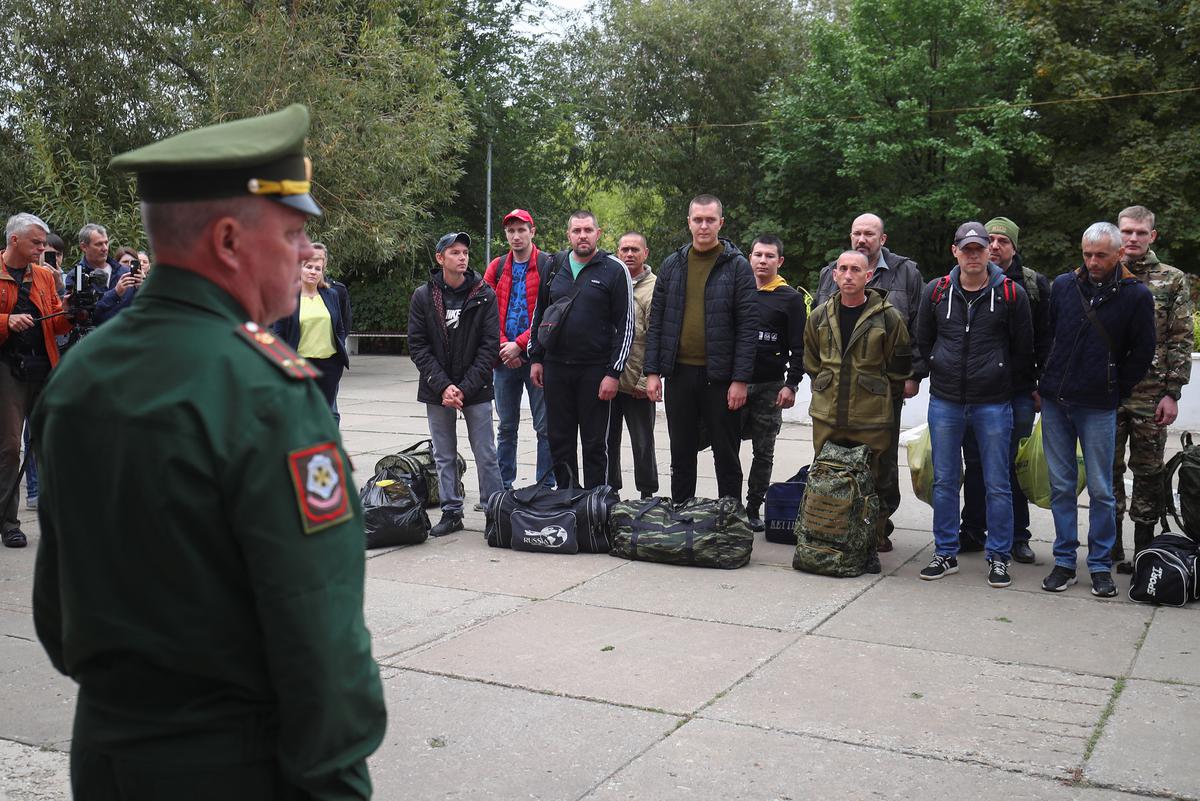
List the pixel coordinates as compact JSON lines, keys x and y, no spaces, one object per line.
{"x":1003,"y":238}
{"x":211,"y":606}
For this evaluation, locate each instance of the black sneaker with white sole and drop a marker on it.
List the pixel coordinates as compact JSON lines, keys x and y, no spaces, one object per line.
{"x":998,"y":573}
{"x":1102,"y":584}
{"x":1059,"y":579}
{"x":940,"y":566}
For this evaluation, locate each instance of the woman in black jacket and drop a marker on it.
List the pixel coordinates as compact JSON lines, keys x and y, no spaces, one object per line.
{"x":316,"y":330}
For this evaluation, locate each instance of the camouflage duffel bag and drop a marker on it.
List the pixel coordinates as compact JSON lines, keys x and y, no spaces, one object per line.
{"x":417,"y":465}
{"x":698,"y":533}
{"x":836,"y":528}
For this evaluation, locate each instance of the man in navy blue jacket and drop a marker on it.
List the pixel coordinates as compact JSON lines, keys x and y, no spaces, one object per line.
{"x":1102,"y":319}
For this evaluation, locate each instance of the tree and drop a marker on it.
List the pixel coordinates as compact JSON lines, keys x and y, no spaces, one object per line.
{"x":1103,"y":155}
{"x":912,"y":109}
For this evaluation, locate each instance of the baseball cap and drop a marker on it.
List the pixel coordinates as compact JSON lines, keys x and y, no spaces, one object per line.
{"x":971,"y":233}
{"x":452,"y":238}
{"x":518,"y":214}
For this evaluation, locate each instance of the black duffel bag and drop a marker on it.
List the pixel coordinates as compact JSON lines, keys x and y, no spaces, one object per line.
{"x":700,"y":532}
{"x":537,"y":518}
{"x":392,"y":512}
{"x":1165,"y":572}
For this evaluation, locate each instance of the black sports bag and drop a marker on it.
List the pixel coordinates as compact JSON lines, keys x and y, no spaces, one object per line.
{"x":1164,"y":572}
{"x":538,"y":518}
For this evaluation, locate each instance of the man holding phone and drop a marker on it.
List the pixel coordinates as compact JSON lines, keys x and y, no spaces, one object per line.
{"x":117,"y":299}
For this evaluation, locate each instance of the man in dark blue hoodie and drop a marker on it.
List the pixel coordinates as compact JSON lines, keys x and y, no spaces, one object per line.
{"x":1102,"y":318}
{"x":975,"y":342}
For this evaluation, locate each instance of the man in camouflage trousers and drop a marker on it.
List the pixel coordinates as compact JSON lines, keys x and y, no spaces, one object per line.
{"x":1143,"y":418}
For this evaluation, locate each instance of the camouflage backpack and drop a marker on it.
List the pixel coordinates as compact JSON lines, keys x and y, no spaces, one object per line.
{"x":415,"y":466}
{"x":836,"y":528}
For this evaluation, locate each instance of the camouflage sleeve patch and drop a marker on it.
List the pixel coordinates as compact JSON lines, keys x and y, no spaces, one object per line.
{"x":319,"y":479}
{"x":276,"y":351}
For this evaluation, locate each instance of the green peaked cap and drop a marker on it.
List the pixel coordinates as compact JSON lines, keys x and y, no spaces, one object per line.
{"x":259,"y":156}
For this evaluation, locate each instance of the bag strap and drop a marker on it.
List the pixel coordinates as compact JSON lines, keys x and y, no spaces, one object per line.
{"x":939,"y":289}
{"x":418,"y":446}
{"x":1095,"y":321}
{"x":646,"y":507}
{"x":1168,"y":474}
{"x":554,"y":273}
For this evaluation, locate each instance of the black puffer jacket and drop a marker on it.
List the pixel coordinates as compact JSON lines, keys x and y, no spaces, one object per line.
{"x":730,"y":316}
{"x":468,"y":362}
{"x":977,"y":351}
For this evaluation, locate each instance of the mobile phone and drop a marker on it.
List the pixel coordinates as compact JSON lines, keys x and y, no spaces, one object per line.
{"x":52,"y":258}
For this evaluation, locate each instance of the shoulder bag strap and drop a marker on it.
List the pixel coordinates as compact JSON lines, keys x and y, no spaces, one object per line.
{"x":1095,"y":321}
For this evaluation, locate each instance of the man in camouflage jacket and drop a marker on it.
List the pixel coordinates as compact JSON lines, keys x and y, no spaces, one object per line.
{"x":1143,"y":417}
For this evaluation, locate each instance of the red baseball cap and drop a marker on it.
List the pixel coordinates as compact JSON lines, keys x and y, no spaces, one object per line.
{"x":518,"y":214}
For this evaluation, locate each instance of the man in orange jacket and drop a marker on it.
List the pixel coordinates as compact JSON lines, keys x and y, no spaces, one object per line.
{"x":31,"y":314}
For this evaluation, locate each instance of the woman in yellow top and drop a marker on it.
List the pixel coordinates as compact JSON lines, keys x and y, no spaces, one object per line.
{"x":316,"y":329}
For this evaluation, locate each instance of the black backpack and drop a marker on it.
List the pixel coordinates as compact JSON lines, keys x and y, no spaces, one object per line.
{"x":1187,"y":464}
{"x":537,"y":518}
{"x":1164,"y":572}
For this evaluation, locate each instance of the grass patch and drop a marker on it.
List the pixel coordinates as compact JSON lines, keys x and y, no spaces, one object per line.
{"x":1117,"y":689}
{"x":607,"y":648}
{"x":1002,"y":620}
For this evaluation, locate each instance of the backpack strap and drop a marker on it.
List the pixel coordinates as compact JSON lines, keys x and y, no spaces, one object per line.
{"x":1168,"y":474}
{"x":940,"y":288}
{"x":1009,"y":290}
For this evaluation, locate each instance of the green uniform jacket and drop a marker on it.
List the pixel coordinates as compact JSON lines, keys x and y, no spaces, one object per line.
{"x":857,"y":389}
{"x":1173,"y":333}
{"x":201,"y":566}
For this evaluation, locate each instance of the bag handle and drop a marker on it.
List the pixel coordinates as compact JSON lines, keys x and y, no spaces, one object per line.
{"x":418,"y":446}
{"x":537,"y":489}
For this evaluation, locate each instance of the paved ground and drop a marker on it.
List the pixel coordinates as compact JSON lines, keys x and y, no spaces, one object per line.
{"x":528,"y":676}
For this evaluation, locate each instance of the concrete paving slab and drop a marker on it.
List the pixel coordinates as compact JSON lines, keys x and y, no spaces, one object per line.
{"x":39,"y":702}
{"x":945,"y":706}
{"x":1172,"y":648}
{"x":16,"y":623}
{"x":404,"y":616}
{"x":1149,"y":743}
{"x":767,"y":596}
{"x":16,"y":588}
{"x":1089,"y":636}
{"x":32,"y":773}
{"x":456,"y":739}
{"x":632,"y":658}
{"x":464,"y":561}
{"x":706,"y":760}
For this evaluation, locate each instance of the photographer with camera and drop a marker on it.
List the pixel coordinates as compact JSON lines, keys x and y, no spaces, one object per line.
{"x":93,"y":241}
{"x":120,"y":296}
{"x":31,"y":315}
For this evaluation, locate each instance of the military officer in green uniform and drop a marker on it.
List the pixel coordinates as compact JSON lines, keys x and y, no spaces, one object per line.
{"x":203,"y":581}
{"x":1143,"y":417}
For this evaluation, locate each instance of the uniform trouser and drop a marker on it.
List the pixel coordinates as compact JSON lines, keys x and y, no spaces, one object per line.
{"x":974,"y":512}
{"x":761,"y":426}
{"x":638,"y":414}
{"x":575,"y":415}
{"x":889,"y":481}
{"x":1147,"y":441}
{"x":16,"y":401}
{"x":877,"y":439}
{"x":102,"y":777}
{"x":443,"y":423}
{"x":691,"y":399}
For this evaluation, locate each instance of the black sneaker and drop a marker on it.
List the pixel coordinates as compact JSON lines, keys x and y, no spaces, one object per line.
{"x":998,"y":573}
{"x":756,"y":523}
{"x":872,"y":565}
{"x":971,"y":541}
{"x":1023,"y":553}
{"x":1102,"y":584}
{"x":14,"y":539}
{"x":450,"y":522}
{"x":940,"y":566}
{"x":1059,"y":579}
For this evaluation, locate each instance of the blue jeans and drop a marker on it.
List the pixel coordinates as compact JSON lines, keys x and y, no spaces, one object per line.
{"x":31,"y":474}
{"x":1096,"y":432}
{"x":508,"y":383}
{"x":992,"y":424}
{"x":974,"y":513}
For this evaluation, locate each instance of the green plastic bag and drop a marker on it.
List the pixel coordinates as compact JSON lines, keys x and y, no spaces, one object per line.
{"x":920,"y":465}
{"x":1033,"y":474}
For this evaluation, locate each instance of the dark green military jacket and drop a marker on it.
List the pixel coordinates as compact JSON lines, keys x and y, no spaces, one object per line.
{"x":200,"y":572}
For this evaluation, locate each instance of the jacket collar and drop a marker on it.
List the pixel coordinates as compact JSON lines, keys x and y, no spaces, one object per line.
{"x":184,"y":286}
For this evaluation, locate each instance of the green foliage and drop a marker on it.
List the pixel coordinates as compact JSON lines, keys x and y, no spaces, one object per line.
{"x":909,"y":108}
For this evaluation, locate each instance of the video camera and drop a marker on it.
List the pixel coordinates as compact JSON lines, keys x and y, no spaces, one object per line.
{"x":81,"y":303}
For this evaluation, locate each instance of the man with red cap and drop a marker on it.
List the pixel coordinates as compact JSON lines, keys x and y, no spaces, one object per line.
{"x":516,"y":277}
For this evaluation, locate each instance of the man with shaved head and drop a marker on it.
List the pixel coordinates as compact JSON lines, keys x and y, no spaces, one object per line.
{"x":899,"y":278}
{"x":858,"y":356}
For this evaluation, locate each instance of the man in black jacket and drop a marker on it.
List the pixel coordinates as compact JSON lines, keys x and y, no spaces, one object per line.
{"x":975,"y":342}
{"x":453,"y":339}
{"x":580,"y":366}
{"x":1003,"y":236}
{"x":781,"y":318}
{"x":703,"y":335}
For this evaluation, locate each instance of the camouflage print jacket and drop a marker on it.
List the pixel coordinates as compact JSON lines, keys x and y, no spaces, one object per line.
{"x":1172,"y":365}
{"x":856,"y":388}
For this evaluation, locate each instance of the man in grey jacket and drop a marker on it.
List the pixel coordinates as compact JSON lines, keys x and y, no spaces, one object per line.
{"x":901,"y":279}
